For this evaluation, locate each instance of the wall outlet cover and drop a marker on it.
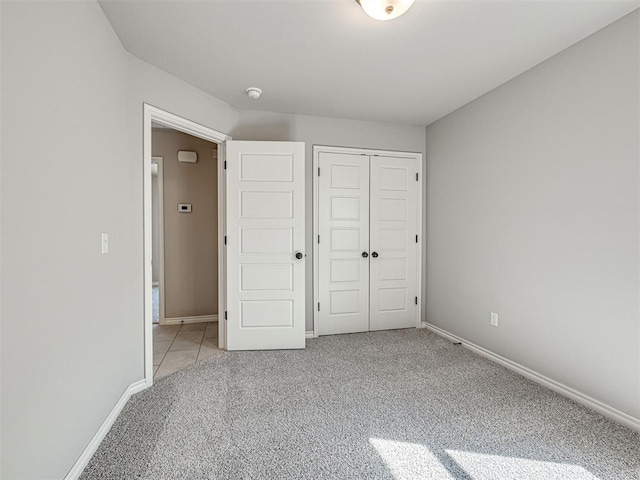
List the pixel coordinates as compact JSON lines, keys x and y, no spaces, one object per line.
{"x":494,"y":319}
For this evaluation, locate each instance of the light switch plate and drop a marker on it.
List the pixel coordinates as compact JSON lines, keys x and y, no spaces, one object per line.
{"x":105,"y":243}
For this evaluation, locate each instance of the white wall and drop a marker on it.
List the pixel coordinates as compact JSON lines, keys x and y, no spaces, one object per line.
{"x":533,"y":213}
{"x":71,"y":332}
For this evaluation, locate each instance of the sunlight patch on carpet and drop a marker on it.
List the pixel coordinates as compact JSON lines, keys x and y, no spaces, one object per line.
{"x":480,"y":466}
{"x":410,"y":461}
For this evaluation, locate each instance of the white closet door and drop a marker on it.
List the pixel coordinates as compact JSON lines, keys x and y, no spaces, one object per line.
{"x":343,"y":213}
{"x":394,"y":226}
{"x":265,"y":232}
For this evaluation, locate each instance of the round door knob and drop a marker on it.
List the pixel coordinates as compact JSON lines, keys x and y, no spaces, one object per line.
{"x":374,"y":254}
{"x":299,"y":255}
{"x":365,"y":254}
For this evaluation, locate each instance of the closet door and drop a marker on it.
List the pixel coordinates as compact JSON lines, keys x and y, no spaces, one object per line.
{"x":394,"y":226}
{"x":343,"y":213}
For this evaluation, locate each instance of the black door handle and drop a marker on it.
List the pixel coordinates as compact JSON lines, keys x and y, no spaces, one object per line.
{"x":374,"y":254}
{"x":299,"y":255}
{"x":365,"y":254}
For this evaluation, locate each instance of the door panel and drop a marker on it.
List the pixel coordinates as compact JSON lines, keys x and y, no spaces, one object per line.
{"x":344,"y":234}
{"x":394,"y":226}
{"x":265,"y":229}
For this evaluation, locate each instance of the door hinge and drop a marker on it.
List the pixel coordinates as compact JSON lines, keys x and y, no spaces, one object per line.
{"x":416,"y":238}
{"x":225,"y":239}
{"x":318,"y":171}
{"x":318,"y":238}
{"x":225,"y":164}
{"x":225,"y":314}
{"x":416,"y":300}
{"x":318,"y":306}
{"x":416,"y":176}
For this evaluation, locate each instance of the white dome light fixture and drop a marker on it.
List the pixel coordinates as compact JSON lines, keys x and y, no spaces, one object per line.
{"x":253,"y":92}
{"x":385,"y":9}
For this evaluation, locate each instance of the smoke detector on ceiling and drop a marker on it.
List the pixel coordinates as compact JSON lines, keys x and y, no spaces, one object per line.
{"x":253,"y":92}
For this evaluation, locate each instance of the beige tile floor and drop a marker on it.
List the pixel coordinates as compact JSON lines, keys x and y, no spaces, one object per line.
{"x":179,"y":346}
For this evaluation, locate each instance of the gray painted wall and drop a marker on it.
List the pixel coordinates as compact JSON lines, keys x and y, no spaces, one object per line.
{"x":1,"y":243}
{"x":71,"y":336}
{"x":530,"y":161}
{"x":80,"y":312}
{"x":533,"y":214}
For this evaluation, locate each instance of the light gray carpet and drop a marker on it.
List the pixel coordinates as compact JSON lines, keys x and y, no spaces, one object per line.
{"x":390,"y":405}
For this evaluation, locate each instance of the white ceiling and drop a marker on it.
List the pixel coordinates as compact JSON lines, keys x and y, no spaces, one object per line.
{"x":326,"y":57}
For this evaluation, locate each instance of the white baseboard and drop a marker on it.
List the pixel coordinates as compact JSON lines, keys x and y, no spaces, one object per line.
{"x":579,"y":397}
{"x":93,"y":445}
{"x":183,"y":320}
{"x":309,"y":334}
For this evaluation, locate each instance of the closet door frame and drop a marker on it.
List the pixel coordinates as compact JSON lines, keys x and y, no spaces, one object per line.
{"x":317,"y":149}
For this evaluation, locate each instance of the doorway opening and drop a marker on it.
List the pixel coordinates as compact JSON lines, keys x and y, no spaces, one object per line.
{"x":184,"y":249}
{"x":184,"y":269}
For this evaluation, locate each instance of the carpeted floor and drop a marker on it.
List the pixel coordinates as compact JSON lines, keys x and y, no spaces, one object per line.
{"x":401,"y":405}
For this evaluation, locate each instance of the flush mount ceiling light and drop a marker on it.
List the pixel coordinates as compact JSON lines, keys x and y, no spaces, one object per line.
{"x":385,"y":9}
{"x":253,"y":92}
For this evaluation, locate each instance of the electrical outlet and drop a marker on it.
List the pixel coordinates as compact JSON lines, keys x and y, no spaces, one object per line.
{"x":494,"y":319}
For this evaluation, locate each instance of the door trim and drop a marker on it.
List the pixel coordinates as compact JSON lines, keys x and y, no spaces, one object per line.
{"x":317,"y":149}
{"x":159,"y":161}
{"x":167,"y":119}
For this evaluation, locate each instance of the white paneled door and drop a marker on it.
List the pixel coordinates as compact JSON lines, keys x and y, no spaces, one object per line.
{"x":343,"y":243}
{"x":368,"y":226}
{"x":394,"y":243}
{"x":265,"y":245}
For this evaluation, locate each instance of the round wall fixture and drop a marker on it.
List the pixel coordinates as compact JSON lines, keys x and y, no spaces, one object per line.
{"x":253,"y":92}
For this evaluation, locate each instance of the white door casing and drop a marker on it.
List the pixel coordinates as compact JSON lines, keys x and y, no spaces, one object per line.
{"x":394,"y":242}
{"x":265,"y":230}
{"x":343,"y":237}
{"x":153,"y":115}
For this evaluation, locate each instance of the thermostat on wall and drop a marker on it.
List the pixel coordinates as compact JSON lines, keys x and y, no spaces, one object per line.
{"x":184,"y":207}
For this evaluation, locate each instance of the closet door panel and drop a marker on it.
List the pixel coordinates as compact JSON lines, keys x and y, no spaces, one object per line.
{"x":343,"y":213}
{"x":394,"y":226}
